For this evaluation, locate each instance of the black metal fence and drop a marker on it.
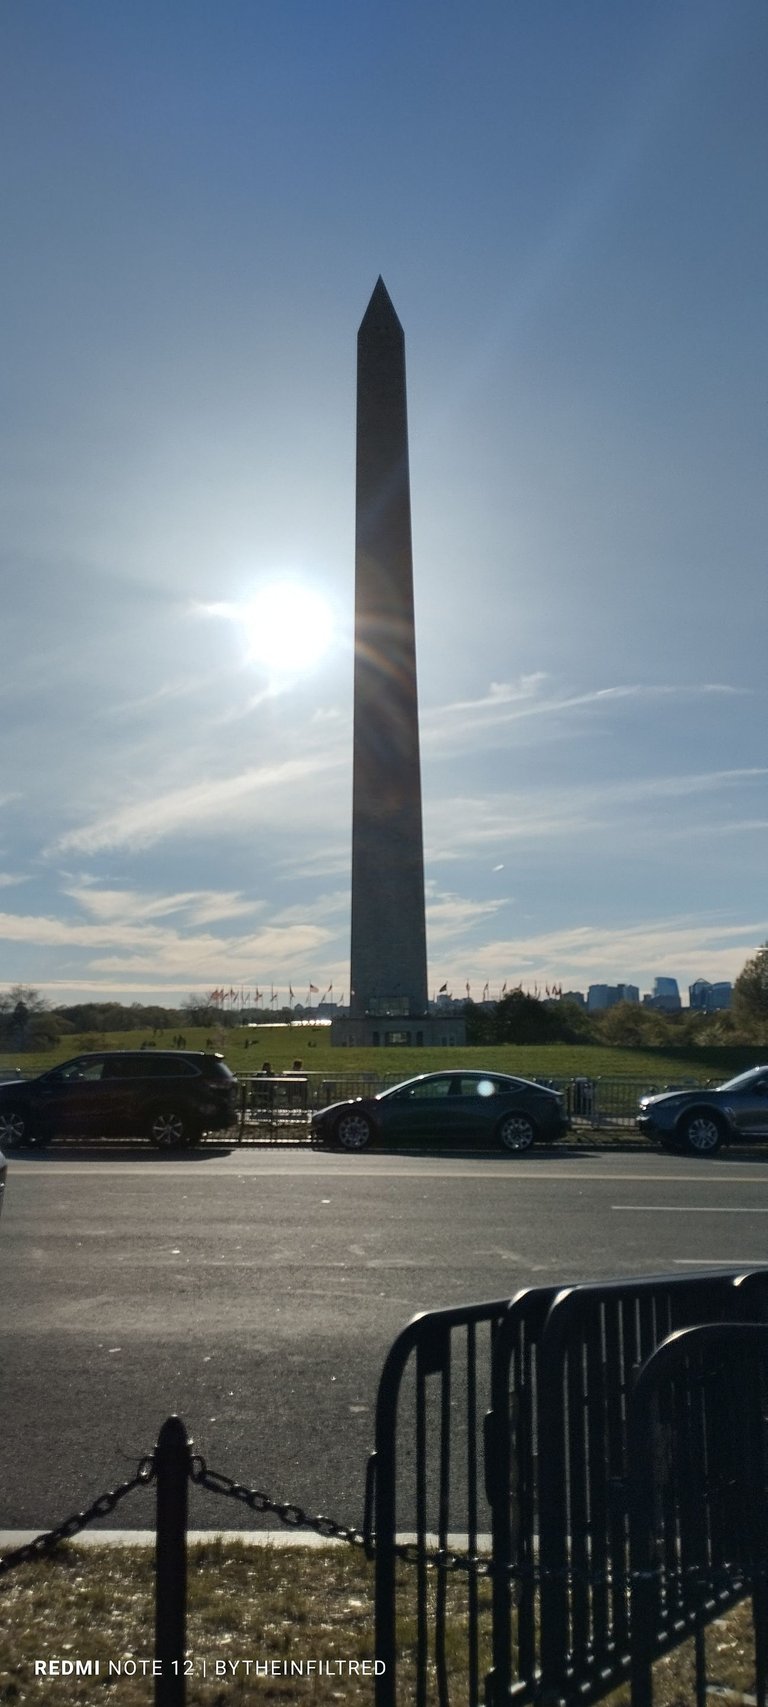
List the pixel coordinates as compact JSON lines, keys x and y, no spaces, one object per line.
{"x":524,"y":1587}
{"x":697,"y":1496}
{"x":278,"y":1109}
{"x":565,"y":1487}
{"x":431,"y":1503}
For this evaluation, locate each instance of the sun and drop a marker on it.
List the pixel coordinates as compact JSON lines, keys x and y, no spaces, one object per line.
{"x":287,"y":626}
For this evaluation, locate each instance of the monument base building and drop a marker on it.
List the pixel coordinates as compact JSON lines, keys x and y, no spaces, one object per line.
{"x":388,"y":1031}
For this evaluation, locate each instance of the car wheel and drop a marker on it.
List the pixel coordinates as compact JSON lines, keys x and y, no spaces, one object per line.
{"x":702,"y":1132}
{"x":14,"y":1129}
{"x":170,"y":1130}
{"x":516,"y":1132}
{"x":353,"y":1131}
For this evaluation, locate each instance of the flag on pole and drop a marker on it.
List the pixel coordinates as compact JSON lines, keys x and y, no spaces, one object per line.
{"x":442,"y":989}
{"x":313,"y":990}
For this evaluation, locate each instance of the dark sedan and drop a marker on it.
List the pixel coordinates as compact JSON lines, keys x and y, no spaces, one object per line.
{"x":462,"y":1105}
{"x":701,"y":1120}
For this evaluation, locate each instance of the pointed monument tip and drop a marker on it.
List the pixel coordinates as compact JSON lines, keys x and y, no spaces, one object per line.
{"x":380,"y":308}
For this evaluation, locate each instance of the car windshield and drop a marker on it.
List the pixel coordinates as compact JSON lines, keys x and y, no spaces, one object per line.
{"x":743,"y":1081}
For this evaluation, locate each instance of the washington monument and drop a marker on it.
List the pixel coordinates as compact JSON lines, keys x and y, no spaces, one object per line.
{"x":389,"y":949}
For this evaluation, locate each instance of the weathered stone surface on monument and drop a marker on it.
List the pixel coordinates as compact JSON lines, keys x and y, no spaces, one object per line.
{"x":388,"y":954}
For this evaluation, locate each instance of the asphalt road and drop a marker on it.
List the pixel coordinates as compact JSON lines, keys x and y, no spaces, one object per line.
{"x":256,"y":1293}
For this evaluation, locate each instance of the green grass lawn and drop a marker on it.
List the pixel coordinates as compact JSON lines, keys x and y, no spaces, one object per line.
{"x":245,"y":1050}
{"x":270,"y":1605}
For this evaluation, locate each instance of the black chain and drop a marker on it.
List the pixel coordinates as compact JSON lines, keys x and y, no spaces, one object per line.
{"x":293,"y":1515}
{"x":101,"y":1507}
{"x":409,"y":1553}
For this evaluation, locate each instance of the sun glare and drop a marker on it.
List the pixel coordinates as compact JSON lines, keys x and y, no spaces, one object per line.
{"x":287,"y":626}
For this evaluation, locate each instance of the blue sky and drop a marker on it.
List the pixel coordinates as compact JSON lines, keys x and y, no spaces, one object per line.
{"x":567,"y":205}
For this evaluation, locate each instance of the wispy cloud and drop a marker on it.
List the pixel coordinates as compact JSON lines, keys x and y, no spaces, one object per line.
{"x":192,"y":687}
{"x":512,"y":702}
{"x":328,"y":859}
{"x":456,"y":826}
{"x":584,"y":954}
{"x":200,"y":906}
{"x":500,"y":694}
{"x":449,"y":916}
{"x":195,"y":807}
{"x":275,"y":953}
{"x":160,"y":953}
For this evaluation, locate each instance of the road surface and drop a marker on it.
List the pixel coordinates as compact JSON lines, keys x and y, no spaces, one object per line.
{"x":256,"y":1293}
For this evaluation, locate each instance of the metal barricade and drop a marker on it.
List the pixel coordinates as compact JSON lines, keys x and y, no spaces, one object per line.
{"x":275,"y":1106}
{"x":698,"y":1500}
{"x":559,"y":1367}
{"x":594,"y":1342}
{"x":512,"y":1468}
{"x":432,"y":1515}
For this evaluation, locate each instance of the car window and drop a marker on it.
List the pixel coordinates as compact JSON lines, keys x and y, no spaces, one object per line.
{"x":422,"y":1088}
{"x":168,"y":1067}
{"x":124,"y":1067}
{"x":220,"y":1070}
{"x":479,"y":1086}
{"x":89,"y":1068}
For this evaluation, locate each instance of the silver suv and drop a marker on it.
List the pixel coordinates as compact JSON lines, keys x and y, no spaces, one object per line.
{"x":703,"y":1119}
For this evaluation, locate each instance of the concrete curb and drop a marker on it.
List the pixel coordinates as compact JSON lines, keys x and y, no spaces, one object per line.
{"x":10,"y":1539}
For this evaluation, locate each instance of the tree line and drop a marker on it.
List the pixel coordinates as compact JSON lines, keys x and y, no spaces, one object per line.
{"x":28,"y":1021}
{"x":521,"y":1018}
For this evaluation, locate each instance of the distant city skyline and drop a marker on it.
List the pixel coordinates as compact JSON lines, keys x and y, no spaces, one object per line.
{"x":703,"y":994}
{"x":566,"y":204}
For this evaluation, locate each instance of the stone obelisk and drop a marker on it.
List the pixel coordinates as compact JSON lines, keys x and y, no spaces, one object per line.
{"x":389,"y":950}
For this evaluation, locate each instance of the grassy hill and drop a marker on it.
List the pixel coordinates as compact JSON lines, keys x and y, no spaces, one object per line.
{"x":245,"y":1049}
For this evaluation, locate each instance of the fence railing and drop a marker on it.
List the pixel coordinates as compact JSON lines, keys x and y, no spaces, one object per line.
{"x":698,"y":1481}
{"x":278,"y":1108}
{"x":565,"y":1486}
{"x":543,"y":1510}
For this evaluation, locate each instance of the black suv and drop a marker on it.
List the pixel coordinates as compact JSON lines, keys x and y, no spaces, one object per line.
{"x":170,"y":1096}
